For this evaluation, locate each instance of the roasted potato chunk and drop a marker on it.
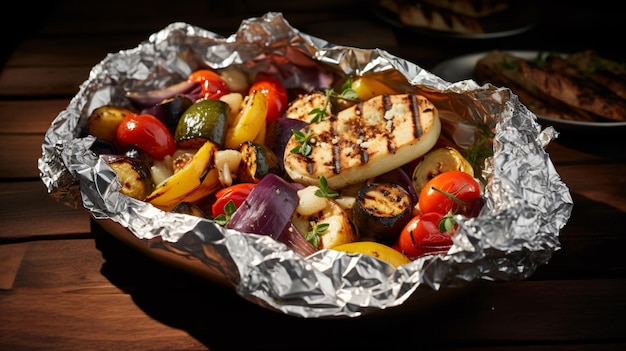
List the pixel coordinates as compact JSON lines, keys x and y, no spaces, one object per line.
{"x":133,"y":175}
{"x":103,"y":121}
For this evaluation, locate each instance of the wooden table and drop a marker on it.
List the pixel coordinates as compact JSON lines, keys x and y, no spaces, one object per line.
{"x":67,"y":284}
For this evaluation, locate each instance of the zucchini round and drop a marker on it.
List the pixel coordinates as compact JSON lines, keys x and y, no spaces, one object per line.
{"x":204,"y":120}
{"x":380,"y":211}
{"x":257,"y":161}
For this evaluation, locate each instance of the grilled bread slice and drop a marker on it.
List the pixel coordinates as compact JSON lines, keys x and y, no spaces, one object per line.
{"x":365,"y":140}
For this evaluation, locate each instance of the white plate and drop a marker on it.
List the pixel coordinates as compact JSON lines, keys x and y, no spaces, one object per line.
{"x":462,"y":67}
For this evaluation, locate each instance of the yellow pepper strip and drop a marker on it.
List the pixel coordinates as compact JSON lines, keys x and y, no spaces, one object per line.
{"x":367,"y":87}
{"x":375,"y":249}
{"x":199,"y":176}
{"x":249,"y":121}
{"x":260,"y":138}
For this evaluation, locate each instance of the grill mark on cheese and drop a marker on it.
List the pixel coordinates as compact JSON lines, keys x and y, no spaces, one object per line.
{"x":362,"y":135}
{"x":336,"y":146}
{"x":417,"y":114}
{"x":386,"y":108}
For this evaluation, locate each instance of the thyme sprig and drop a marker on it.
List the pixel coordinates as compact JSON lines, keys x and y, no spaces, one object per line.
{"x":314,"y":236}
{"x":304,"y":148}
{"x":324,"y":190}
{"x":482,"y":149}
{"x":347,"y":93}
{"x":229,"y":209}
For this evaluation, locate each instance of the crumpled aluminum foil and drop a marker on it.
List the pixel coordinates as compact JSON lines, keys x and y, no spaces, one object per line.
{"x":526,"y":206}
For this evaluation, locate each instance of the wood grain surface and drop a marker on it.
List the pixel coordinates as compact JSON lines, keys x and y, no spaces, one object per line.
{"x":67,"y":284}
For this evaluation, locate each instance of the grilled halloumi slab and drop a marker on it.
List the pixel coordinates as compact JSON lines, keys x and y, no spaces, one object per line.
{"x":301,"y":107}
{"x":365,"y":140}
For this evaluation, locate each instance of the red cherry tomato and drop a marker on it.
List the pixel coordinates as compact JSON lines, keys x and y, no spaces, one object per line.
{"x":147,"y":133}
{"x":451,"y":191}
{"x":237,"y":193}
{"x":275,"y":93}
{"x":213,"y":86}
{"x":422,"y":236}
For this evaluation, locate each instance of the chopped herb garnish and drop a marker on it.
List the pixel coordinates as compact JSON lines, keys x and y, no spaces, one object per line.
{"x":347,"y":93}
{"x":509,"y":64}
{"x":229,"y":209}
{"x":482,"y":149}
{"x":324,"y":190}
{"x":304,"y":148}
{"x":314,"y":236}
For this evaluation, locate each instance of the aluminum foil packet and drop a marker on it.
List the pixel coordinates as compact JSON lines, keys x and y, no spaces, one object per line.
{"x":526,"y":203}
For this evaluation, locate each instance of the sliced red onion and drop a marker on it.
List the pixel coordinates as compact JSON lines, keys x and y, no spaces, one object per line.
{"x":169,"y":110}
{"x":268,"y":208}
{"x":292,"y":237}
{"x":153,"y":97}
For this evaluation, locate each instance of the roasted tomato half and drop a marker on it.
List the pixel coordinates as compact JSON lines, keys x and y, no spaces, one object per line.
{"x":454,"y":192}
{"x":147,"y":133}
{"x":422,"y":236}
{"x":213,"y":86}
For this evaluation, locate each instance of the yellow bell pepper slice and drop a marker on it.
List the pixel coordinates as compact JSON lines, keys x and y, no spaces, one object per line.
{"x":368,"y":87}
{"x":375,"y":249}
{"x":196,"y":179}
{"x":249,"y":122}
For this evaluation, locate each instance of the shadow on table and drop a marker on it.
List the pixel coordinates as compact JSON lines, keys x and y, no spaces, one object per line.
{"x":221,"y":319}
{"x":218,"y":317}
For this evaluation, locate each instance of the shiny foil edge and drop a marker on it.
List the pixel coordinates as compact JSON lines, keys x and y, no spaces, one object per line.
{"x":526,"y":201}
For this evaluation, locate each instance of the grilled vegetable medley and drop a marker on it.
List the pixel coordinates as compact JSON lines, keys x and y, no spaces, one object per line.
{"x":357,"y":167}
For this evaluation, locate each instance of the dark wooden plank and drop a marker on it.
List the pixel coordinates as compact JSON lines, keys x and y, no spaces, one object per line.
{"x":63,"y":279}
{"x":30,"y":212}
{"x":19,"y":155}
{"x":63,"y":51}
{"x":47,"y":81}
{"x":29,"y":116}
{"x":603,"y":183}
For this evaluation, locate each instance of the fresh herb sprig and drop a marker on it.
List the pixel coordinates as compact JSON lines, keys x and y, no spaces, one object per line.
{"x":314,"y":236}
{"x":482,"y":149}
{"x":229,"y":209}
{"x":324,"y":190}
{"x":347,"y":93}
{"x":304,"y":148}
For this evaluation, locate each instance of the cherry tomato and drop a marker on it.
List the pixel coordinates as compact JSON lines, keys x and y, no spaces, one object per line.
{"x":213,"y":86}
{"x":422,"y":236}
{"x":276,"y":95}
{"x":451,"y":191}
{"x":147,"y":133}
{"x":237,"y":193}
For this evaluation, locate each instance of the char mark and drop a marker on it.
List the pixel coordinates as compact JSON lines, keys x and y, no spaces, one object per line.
{"x":386,"y":107}
{"x":415,"y":111}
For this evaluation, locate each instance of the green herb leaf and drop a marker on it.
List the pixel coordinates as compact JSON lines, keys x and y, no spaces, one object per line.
{"x":314,"y":236}
{"x":324,"y":190}
{"x":482,"y":149}
{"x":229,"y":209}
{"x":447,"y":223}
{"x":347,"y":93}
{"x":304,"y":148}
